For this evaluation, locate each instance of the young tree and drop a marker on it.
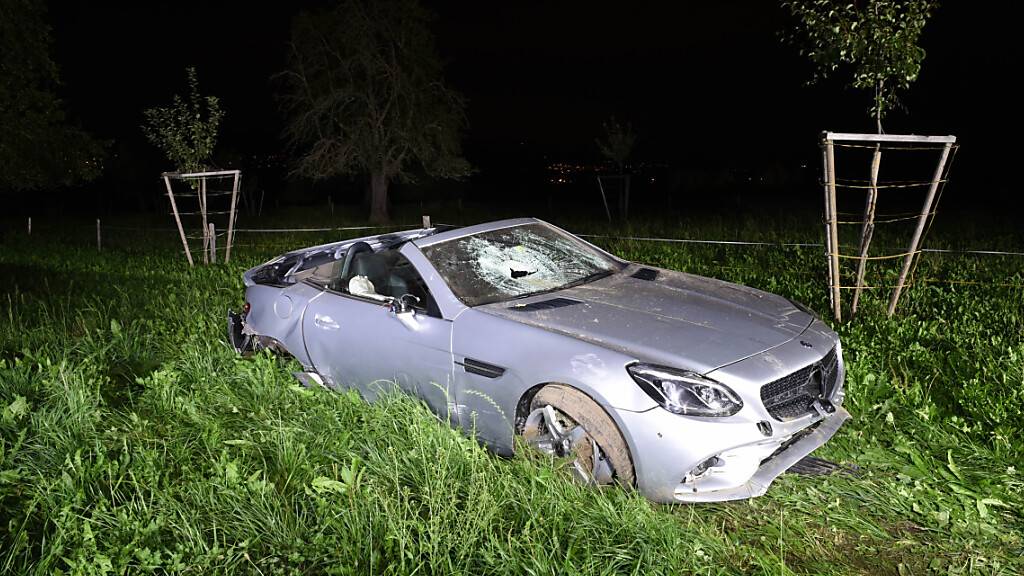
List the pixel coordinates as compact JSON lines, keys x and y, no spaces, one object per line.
{"x":617,"y":146}
{"x":364,"y":93}
{"x":877,"y":40}
{"x":39,"y":148}
{"x":187,"y":129}
{"x":617,"y":143}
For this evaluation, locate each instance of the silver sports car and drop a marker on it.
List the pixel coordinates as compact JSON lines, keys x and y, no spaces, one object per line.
{"x":688,"y":388}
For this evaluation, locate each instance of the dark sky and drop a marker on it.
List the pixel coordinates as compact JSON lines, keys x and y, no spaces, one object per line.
{"x":701,"y":82}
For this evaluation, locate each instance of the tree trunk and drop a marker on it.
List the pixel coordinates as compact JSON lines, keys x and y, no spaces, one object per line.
{"x":378,"y":197}
{"x":879,"y":91}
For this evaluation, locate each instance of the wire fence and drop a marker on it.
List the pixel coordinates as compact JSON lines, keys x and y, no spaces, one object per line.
{"x":256,"y":232}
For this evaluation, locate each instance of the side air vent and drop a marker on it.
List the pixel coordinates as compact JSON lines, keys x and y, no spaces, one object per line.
{"x":648,"y":274}
{"x":544,"y":304}
{"x":481,"y":368}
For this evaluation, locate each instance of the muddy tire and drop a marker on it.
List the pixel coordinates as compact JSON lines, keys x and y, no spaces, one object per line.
{"x":574,"y":410}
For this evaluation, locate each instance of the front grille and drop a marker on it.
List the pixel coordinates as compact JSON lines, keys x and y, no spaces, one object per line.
{"x":793,"y":396}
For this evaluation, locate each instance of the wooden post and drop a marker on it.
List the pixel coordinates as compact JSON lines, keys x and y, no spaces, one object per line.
{"x":177,"y":220}
{"x":926,"y":210}
{"x":202,"y":208}
{"x":426,"y":221}
{"x":29,"y":225}
{"x":868,"y":228}
{"x":230,"y":238}
{"x":604,"y":199}
{"x":625,"y":192}
{"x":828,"y":229}
{"x":99,"y":244}
{"x":833,"y":229}
{"x":213,"y":243}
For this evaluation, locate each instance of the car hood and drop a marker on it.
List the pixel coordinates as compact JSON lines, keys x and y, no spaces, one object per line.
{"x":675,"y":319}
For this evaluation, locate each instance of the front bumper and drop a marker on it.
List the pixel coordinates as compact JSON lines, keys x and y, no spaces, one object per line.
{"x":771,"y":468}
{"x":665,"y":450}
{"x":691,"y":459}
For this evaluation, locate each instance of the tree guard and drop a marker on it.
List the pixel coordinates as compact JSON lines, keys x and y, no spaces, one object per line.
{"x":874,"y":189}
{"x":201,"y":193}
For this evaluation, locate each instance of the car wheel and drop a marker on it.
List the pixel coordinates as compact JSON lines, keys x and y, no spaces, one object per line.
{"x":567,"y":423}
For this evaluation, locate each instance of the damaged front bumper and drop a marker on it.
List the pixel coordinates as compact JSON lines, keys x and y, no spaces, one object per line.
{"x":786,"y":454}
{"x":741,"y":462}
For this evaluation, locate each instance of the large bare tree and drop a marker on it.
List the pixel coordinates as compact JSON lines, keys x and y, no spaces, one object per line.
{"x":365,"y":94}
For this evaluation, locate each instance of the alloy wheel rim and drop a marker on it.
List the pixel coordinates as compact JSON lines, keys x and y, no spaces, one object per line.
{"x":552,"y":432}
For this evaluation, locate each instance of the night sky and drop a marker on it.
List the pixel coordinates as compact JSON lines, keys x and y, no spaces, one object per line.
{"x":702,"y":83}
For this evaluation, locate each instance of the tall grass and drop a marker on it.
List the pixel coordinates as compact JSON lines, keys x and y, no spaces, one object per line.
{"x":133,"y":440}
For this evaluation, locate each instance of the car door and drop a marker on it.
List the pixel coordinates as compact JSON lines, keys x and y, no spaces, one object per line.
{"x":361,"y":343}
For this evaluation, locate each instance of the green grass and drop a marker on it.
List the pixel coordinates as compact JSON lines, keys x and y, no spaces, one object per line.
{"x":133,"y":440}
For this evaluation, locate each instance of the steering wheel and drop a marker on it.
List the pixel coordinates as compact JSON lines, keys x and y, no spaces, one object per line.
{"x":346,"y":267}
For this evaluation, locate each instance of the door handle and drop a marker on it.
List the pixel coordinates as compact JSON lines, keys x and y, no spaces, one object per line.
{"x":325,"y":322}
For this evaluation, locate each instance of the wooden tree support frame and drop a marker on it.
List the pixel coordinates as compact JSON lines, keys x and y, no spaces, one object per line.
{"x":623,"y":198}
{"x":209,"y":240}
{"x":828,"y":144}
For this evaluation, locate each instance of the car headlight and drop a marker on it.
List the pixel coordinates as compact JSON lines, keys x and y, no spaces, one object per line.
{"x":685,"y":392}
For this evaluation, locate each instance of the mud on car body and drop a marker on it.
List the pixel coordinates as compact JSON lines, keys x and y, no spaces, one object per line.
{"x":686,"y":387}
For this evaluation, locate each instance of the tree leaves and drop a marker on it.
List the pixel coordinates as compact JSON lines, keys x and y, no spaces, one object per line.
{"x":187,"y":129}
{"x":878,"y":41}
{"x":618,"y":142}
{"x":39,"y":147}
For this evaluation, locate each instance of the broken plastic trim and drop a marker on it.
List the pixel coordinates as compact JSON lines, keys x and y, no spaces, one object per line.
{"x":241,"y":342}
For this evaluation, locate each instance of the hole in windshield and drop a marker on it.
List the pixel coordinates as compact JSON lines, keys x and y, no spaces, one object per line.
{"x":514,"y":262}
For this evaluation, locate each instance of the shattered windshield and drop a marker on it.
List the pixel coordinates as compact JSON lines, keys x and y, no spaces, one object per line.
{"x":509,"y":263}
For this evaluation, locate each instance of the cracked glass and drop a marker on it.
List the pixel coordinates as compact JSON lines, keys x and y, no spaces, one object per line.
{"x":515,"y":262}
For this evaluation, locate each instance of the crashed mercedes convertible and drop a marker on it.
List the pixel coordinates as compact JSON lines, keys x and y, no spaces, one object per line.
{"x":688,"y":388}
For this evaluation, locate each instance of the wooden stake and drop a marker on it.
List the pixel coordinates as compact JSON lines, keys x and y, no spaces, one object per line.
{"x":833,"y":229}
{"x":626,"y":196}
{"x":604,"y":199}
{"x":868,"y":229}
{"x":213,"y":243}
{"x":99,"y":244}
{"x":828,"y":226}
{"x":230,"y":238}
{"x":177,"y":220}
{"x":202,"y":209}
{"x":426,"y":221}
{"x":926,"y":210}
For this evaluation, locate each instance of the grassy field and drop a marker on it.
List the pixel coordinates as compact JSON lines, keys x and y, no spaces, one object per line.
{"x":133,"y":440}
